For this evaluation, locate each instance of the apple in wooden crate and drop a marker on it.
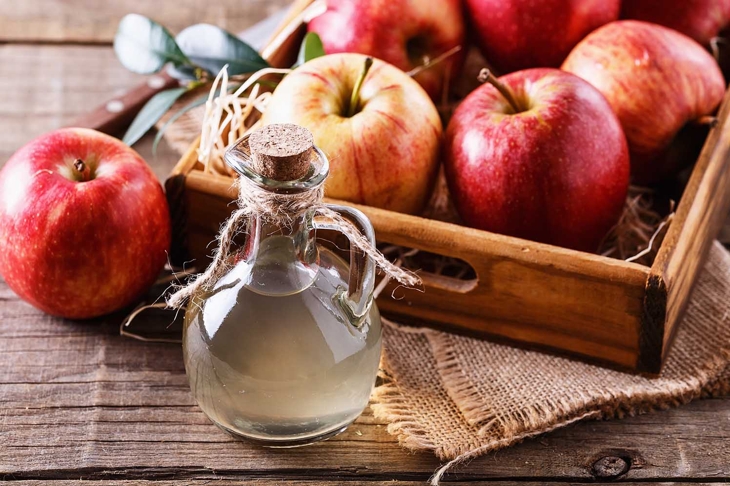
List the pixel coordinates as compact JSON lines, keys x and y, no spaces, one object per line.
{"x":84,"y":224}
{"x":381,"y":132}
{"x":404,"y":33}
{"x":656,"y":80}
{"x":699,"y":19}
{"x":538,"y":155}
{"x":519,"y":34}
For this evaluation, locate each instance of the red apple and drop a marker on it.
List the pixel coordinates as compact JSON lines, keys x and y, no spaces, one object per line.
{"x":656,"y":81}
{"x":550,"y":166}
{"x":84,"y":224}
{"x":404,"y":33}
{"x":699,"y":19}
{"x":383,"y":146}
{"x":519,"y":34}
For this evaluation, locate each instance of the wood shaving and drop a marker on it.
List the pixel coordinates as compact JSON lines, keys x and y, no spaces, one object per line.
{"x":231,"y":115}
{"x":637,"y":235}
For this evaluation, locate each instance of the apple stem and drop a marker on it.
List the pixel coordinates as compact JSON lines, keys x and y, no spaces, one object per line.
{"x":707,"y":120}
{"x":485,"y":76}
{"x":82,"y":170}
{"x":355,"y":97}
{"x":432,"y":62}
{"x":715,"y":43}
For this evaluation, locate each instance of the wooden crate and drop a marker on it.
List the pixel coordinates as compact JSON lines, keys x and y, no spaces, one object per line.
{"x":599,"y":309}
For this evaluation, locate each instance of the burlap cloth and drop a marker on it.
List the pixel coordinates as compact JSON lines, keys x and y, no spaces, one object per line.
{"x":461,"y":397}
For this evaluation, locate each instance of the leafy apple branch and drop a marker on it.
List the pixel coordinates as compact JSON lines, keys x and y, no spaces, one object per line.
{"x":193,"y":57}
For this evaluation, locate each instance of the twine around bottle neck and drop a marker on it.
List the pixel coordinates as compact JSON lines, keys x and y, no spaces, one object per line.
{"x":283,"y":210}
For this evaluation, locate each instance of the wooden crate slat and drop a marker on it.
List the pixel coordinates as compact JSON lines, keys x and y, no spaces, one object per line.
{"x":698,"y":219}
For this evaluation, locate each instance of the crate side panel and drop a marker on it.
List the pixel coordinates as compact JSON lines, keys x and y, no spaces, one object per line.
{"x":544,"y":307}
{"x":697,"y":222}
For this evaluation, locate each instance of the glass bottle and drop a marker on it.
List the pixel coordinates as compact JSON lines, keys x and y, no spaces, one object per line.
{"x":284,"y":348}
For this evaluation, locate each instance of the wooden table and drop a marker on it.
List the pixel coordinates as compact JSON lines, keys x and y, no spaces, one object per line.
{"x":77,"y":401}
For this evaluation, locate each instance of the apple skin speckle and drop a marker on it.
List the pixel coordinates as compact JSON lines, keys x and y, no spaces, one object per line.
{"x":81,"y":249}
{"x":656,"y":80}
{"x":387,"y":154}
{"x":520,"y":34}
{"x":699,"y":19}
{"x":556,"y":173}
{"x":400,"y":32}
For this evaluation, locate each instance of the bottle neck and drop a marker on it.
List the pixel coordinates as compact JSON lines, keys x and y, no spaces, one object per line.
{"x":283,"y":257}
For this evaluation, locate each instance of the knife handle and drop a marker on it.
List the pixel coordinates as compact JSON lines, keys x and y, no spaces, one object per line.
{"x":114,"y":116}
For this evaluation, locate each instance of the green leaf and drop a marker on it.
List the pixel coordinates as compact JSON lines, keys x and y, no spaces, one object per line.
{"x":151,"y":113}
{"x":211,"y":48}
{"x":143,"y":46}
{"x":182,"y":73}
{"x":311,"y":48}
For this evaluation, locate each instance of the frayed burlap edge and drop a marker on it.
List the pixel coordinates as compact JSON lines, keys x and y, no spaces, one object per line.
{"x":390,"y":405}
{"x":707,"y":383}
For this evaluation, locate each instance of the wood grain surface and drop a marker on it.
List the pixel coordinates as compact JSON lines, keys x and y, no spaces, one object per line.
{"x":336,"y":482}
{"x":95,"y":21}
{"x":324,"y":482}
{"x":44,"y":87}
{"x":701,"y":212}
{"x":77,"y":401}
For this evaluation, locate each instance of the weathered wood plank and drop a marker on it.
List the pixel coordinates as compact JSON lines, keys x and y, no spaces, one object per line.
{"x":45,"y":87}
{"x":179,"y":442}
{"x":227,"y":481}
{"x":697,"y":222}
{"x":85,"y":21}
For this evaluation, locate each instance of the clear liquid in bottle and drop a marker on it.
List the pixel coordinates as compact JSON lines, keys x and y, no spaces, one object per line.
{"x":271,"y":355}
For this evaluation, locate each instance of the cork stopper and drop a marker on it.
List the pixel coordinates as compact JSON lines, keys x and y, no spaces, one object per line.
{"x":281,"y":152}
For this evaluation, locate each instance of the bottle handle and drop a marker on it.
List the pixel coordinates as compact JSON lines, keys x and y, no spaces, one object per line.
{"x":357,"y":298}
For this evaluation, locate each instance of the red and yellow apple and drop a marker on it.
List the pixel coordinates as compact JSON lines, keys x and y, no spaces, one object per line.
{"x":656,"y":80}
{"x":84,"y":224}
{"x":543,"y":158}
{"x":383,"y":148}
{"x":699,"y":19}
{"x":519,"y":34}
{"x":404,"y":33}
